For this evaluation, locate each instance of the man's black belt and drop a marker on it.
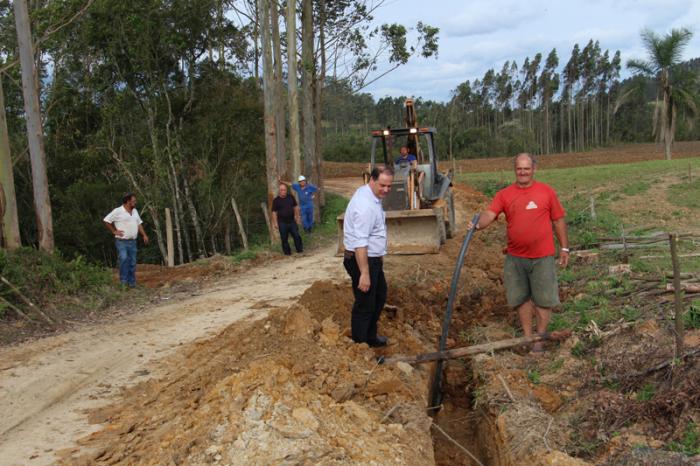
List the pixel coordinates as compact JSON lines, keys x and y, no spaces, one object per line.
{"x":351,"y":255}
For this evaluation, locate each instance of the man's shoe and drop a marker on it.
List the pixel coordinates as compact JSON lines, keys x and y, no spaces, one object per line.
{"x":378,"y":342}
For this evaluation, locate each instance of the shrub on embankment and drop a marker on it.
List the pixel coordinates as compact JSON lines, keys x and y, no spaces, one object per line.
{"x":46,"y":280}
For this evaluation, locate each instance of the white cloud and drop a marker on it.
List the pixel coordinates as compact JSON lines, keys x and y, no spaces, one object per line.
{"x":481,"y":34}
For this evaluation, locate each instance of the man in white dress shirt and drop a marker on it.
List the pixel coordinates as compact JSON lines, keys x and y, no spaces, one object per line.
{"x":125,"y":224}
{"x":365,"y":242}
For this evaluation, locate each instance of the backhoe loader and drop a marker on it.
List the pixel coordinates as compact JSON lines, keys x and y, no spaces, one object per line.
{"x":420,"y":207}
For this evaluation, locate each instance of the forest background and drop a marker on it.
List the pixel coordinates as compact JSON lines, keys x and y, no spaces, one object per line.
{"x":193,"y":103}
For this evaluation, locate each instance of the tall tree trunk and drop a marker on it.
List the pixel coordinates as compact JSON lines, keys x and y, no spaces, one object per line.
{"x":294,"y":147}
{"x":307,"y":97}
{"x":280,"y":119}
{"x":220,"y":21}
{"x":35,"y":133}
{"x":10,"y":221}
{"x":199,"y":237}
{"x":256,"y":40}
{"x":269,"y":96}
{"x":318,"y":103}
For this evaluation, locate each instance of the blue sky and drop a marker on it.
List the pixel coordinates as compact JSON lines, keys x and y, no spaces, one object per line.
{"x":476,"y":35}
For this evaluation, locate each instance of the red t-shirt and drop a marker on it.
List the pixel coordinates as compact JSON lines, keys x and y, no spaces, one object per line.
{"x":529,"y":212}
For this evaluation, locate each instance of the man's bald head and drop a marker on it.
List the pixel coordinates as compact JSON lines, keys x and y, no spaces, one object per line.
{"x":524,"y":166}
{"x":524,"y":155}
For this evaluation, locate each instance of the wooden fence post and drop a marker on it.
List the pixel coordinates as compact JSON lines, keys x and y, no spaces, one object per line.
{"x":241,"y":230}
{"x":169,"y":238}
{"x":673,"y":239}
{"x":267,"y":220}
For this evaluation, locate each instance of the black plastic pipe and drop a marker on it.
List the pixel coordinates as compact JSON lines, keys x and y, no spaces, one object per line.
{"x":436,"y":394}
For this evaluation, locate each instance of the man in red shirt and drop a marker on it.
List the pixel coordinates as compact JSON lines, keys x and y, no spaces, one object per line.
{"x":529,"y":272}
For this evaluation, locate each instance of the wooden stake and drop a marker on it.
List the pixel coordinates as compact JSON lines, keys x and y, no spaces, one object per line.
{"x":25,"y":299}
{"x":268,"y":222}
{"x":690,"y":173}
{"x":241,"y":230}
{"x":478,"y":349}
{"x":169,"y":238}
{"x":593,"y":208}
{"x":673,"y":239}
{"x":15,"y":308}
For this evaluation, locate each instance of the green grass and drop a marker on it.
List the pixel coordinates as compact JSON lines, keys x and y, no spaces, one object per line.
{"x":691,"y":317}
{"x":647,"y":392}
{"x":685,"y":194}
{"x":534,"y":376}
{"x":690,"y":443}
{"x":635,"y":187}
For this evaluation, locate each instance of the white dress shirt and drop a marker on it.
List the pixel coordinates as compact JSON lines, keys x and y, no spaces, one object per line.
{"x":364,"y":224}
{"x":122,"y":220}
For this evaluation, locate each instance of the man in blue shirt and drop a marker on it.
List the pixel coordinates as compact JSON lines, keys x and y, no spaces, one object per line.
{"x":405,"y":156}
{"x":305,"y":192}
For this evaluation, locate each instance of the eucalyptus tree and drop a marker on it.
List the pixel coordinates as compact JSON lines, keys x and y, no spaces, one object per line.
{"x":548,"y":87}
{"x":35,"y":133}
{"x":673,"y":85}
{"x":8,"y":199}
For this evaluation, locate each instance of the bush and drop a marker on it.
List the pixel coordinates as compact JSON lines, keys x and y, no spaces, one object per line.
{"x":41,"y":276}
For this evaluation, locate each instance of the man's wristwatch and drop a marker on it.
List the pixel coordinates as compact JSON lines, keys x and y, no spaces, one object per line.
{"x":564,"y":249}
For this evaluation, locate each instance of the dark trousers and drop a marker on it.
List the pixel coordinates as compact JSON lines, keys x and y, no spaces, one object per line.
{"x":368,"y":306}
{"x":287,"y":229}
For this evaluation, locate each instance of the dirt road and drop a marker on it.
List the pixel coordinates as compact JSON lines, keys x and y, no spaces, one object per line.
{"x":47,"y":385}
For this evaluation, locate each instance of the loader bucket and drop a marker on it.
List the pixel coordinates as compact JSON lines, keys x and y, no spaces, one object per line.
{"x":410,"y":231}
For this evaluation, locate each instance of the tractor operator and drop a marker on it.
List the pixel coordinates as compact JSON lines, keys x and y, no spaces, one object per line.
{"x":529,"y":273}
{"x":365,"y":241}
{"x":405,"y":157}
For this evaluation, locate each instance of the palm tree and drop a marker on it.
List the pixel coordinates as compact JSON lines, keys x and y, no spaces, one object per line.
{"x":673,"y":85}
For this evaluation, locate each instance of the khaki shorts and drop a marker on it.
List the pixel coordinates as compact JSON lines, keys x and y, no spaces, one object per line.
{"x":534,"y":279}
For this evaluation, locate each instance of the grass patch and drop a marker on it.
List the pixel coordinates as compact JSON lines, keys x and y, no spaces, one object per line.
{"x":685,"y":194}
{"x":647,"y":392}
{"x":636,"y":187}
{"x":534,"y":376}
{"x":691,"y":318}
{"x":690,"y":442}
{"x":242,"y":256}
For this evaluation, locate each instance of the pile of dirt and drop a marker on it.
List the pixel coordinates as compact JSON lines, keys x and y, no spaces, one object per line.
{"x":290,"y":388}
{"x":160,"y":276}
